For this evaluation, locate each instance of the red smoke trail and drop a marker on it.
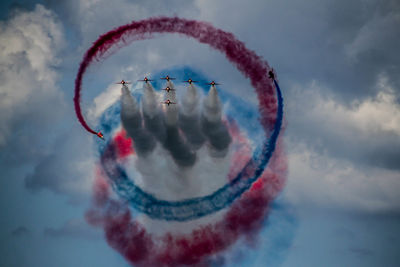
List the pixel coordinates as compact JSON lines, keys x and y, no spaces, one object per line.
{"x":251,"y":65}
{"x":123,"y":144}
{"x":244,"y":218}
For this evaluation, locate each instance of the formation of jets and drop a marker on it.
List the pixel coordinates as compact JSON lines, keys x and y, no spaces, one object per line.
{"x":168,"y":102}
{"x":167,"y":78}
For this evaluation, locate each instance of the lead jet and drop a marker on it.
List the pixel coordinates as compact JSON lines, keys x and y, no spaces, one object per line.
{"x":168,"y":102}
{"x":123,"y":82}
{"x":146,"y":80}
{"x":167,"y":78}
{"x":271,"y":74}
{"x":168,"y":89}
{"x":213,"y":83}
{"x":100,"y":135}
{"x":190,"y":81}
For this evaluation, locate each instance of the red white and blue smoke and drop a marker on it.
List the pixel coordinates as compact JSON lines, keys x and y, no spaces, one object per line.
{"x":181,"y":185}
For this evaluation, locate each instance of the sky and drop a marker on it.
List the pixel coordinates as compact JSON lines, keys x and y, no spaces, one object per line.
{"x":338,"y":66}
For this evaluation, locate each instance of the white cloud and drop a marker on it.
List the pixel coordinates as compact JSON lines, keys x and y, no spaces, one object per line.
{"x":32,"y":107}
{"x":372,"y":115}
{"x":365,"y":131}
{"x":381,"y":113}
{"x":343,"y":155}
{"x":29,"y":43}
{"x":319,"y":181}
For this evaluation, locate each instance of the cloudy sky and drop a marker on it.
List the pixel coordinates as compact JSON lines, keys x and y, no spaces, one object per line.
{"x":338,"y":64}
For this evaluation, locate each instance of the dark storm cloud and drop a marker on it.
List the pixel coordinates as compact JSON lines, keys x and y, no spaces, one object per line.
{"x":73,"y":229}
{"x":68,"y":170}
{"x":20,"y":231}
{"x":343,"y":45}
{"x":361,"y":252}
{"x":86,"y":19}
{"x":357,"y":49}
{"x":364,"y":38}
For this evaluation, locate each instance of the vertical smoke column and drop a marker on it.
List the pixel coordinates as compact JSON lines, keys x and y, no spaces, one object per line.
{"x":153,"y":118}
{"x":174,"y":142}
{"x":212,"y":126}
{"x":132,"y":122}
{"x":189,"y":118}
{"x":171,"y":111}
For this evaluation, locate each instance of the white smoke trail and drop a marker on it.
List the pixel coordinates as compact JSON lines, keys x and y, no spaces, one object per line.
{"x":149,"y":101}
{"x":171,"y":111}
{"x":131,"y":119}
{"x":212,"y":126}
{"x":163,"y":172}
{"x":212,"y":106}
{"x":129,"y":106}
{"x":190,"y":102}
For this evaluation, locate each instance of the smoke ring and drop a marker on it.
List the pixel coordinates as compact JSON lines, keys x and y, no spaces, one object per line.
{"x":251,"y":65}
{"x":193,"y":208}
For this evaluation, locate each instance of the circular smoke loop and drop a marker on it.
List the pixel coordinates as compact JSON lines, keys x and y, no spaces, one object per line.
{"x":253,"y":180}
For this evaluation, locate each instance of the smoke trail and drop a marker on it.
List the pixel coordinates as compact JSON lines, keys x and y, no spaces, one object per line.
{"x":153,"y":118}
{"x":150,"y":101}
{"x":252,"y":178}
{"x":164,"y":127}
{"x":141,"y":248}
{"x":171,"y":111}
{"x":179,"y":150}
{"x":212,"y":106}
{"x":190,"y":101}
{"x":251,"y":65}
{"x":189,"y":118}
{"x":190,"y":209}
{"x":132,"y":122}
{"x":212,"y":125}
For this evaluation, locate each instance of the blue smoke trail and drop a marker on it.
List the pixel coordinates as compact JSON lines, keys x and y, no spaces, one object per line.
{"x":188,"y":209}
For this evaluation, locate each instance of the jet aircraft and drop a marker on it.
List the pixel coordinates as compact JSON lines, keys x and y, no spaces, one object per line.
{"x":123,"y":82}
{"x":167,"y":78}
{"x":213,"y":83}
{"x":100,"y":135}
{"x":190,"y":81}
{"x":271,"y":74}
{"x":146,"y":80}
{"x":168,"y":89}
{"x":168,"y":102}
